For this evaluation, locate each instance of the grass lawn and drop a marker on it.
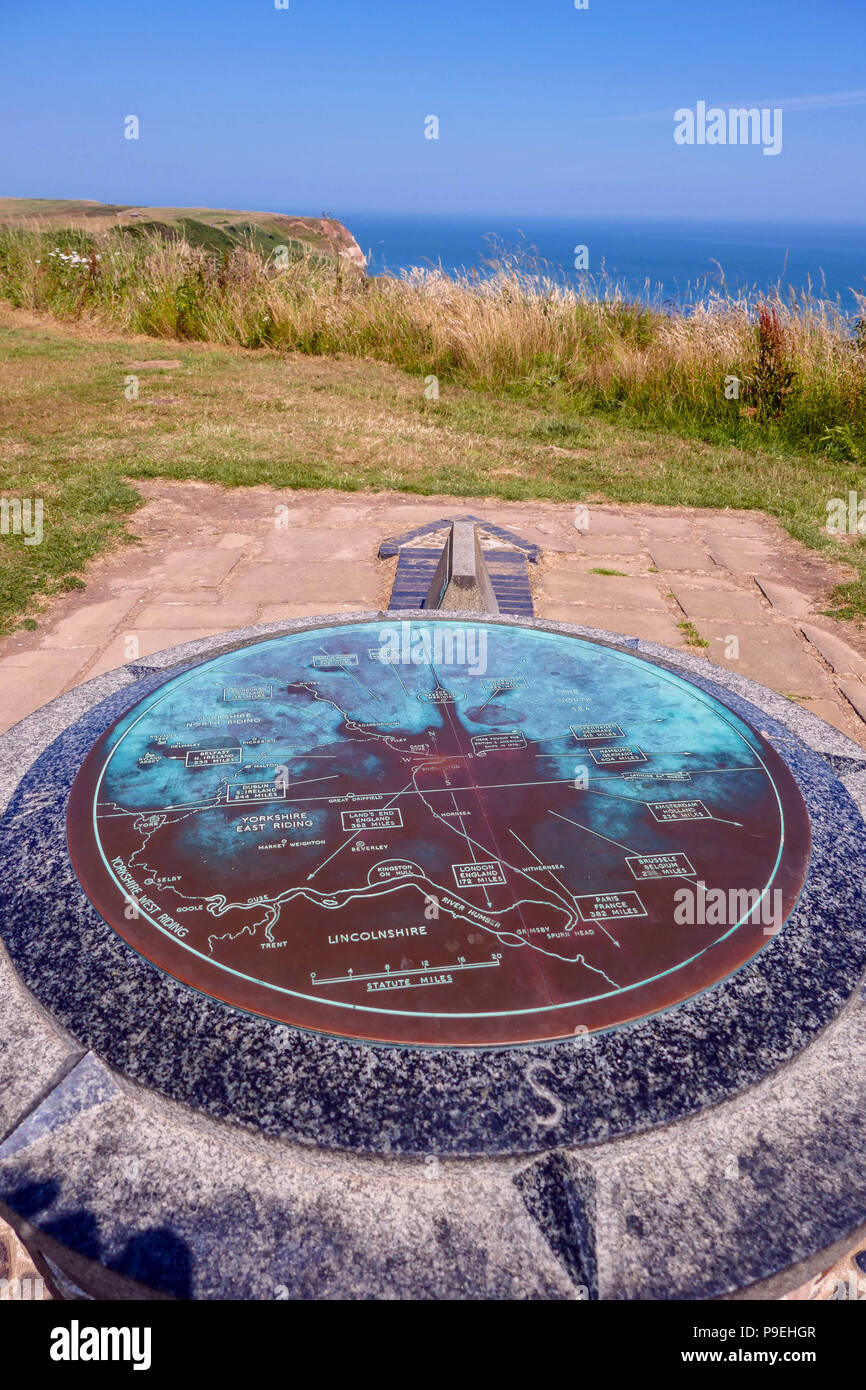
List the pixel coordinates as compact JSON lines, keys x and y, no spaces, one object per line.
{"x":69,"y":435}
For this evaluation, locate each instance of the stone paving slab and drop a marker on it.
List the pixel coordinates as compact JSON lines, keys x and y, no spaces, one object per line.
{"x":838,"y":655}
{"x":716,"y":599}
{"x":116,"y":653}
{"x":766,"y":653}
{"x":610,"y":545}
{"x":574,"y":583}
{"x":87,"y":626}
{"x":741,"y":555}
{"x":655,"y":626}
{"x":317,"y":582}
{"x":201,"y":567}
{"x":855,"y":692}
{"x":307,"y":544}
{"x":677,"y":555}
{"x":791,"y":603}
{"x":210,"y":559}
{"x":193,"y":617}
{"x":20,"y":1281}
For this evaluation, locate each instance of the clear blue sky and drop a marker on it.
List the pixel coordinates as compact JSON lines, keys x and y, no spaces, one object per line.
{"x":543,"y":109}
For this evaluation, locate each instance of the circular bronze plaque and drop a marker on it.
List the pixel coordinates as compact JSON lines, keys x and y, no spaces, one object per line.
{"x":441,"y":834}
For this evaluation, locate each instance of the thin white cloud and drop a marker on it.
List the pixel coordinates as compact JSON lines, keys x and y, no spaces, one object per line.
{"x":818,"y":102}
{"x":813,"y":103}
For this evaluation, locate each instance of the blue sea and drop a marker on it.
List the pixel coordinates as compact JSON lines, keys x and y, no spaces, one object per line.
{"x":672,"y":264}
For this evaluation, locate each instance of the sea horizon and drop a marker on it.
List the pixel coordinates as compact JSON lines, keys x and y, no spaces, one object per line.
{"x":652,"y":260}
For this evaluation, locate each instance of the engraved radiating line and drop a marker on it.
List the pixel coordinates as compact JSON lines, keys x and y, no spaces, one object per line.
{"x":557,"y":903}
{"x":593,"y":832}
{"x":347,"y":672}
{"x":635,"y":800}
{"x":555,"y":878}
{"x":471,"y":849}
{"x":437,"y":682}
{"x":393,"y":666}
{"x":498,"y":688}
{"x":562,"y":885}
{"x":408,"y":790}
{"x":353,"y":836}
{"x":302,"y":781}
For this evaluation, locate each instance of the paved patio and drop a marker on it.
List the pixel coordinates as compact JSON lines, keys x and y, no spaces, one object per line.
{"x":209,"y":559}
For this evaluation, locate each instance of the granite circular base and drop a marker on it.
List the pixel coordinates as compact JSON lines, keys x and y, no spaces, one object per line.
{"x":709,"y":1117}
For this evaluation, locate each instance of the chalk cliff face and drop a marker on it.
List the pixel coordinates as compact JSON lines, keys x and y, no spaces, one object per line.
{"x":344,"y":243}
{"x":216,"y":228}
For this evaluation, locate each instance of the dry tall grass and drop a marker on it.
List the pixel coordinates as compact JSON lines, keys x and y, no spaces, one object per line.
{"x":511,"y":331}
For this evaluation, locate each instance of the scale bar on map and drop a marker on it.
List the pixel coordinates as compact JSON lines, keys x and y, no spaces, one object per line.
{"x":416,"y":970}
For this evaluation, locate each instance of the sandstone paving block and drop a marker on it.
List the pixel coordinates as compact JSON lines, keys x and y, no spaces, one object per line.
{"x":680,"y":555}
{"x":320,"y":544}
{"x":265,"y":511}
{"x":663,"y":528}
{"x":559,"y":537}
{"x":651,"y":625}
{"x":20,"y":1281}
{"x":234,"y":540}
{"x":591,"y":543}
{"x":201,"y":566}
{"x":722,"y":601}
{"x":842,"y":658}
{"x":347,"y":514}
{"x":44,"y":665}
{"x":608,"y":590}
{"x":855,"y":691}
{"x":736,"y":524}
{"x":604,"y":522}
{"x":192,"y":616}
{"x":90,"y":625}
{"x":840,"y":714}
{"x":208,"y":596}
{"x":556,"y":540}
{"x":288,"y":612}
{"x":32,"y":678}
{"x":19,"y":696}
{"x":785,"y":599}
{"x":770,"y":654}
{"x":338,"y":580}
{"x":741,"y":555}
{"x":149,"y":641}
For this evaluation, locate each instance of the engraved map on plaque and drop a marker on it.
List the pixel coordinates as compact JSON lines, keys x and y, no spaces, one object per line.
{"x":459,"y":834}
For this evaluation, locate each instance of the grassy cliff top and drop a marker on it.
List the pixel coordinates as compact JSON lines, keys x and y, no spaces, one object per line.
{"x":217,"y":229}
